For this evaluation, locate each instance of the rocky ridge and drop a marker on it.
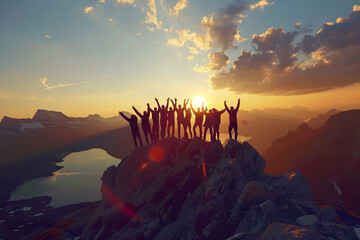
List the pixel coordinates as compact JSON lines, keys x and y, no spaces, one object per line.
{"x":190,"y":189}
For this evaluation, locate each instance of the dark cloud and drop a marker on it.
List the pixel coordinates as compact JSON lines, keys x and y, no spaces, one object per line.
{"x":222,"y":27}
{"x":218,"y":60}
{"x":334,"y":61}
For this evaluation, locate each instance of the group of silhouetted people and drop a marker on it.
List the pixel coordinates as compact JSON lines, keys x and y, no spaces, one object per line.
{"x":163,"y":120}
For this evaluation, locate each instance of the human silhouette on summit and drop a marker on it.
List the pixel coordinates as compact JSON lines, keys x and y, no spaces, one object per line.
{"x":145,"y":124}
{"x":180,"y":115}
{"x":163,"y":117}
{"x":233,"y":118}
{"x":155,"y":118}
{"x":216,"y":123}
{"x":134,"y":127}
{"x":187,"y":122}
{"x":208,"y":123}
{"x":199,"y":118}
{"x":171,"y":122}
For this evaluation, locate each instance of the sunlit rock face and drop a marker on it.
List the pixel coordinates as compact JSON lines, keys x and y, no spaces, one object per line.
{"x":190,"y":189}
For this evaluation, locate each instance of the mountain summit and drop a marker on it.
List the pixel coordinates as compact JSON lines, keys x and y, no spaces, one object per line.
{"x":190,"y":189}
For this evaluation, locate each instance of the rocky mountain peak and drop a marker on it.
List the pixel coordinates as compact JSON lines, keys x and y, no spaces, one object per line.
{"x":190,"y":189}
{"x":49,"y":116}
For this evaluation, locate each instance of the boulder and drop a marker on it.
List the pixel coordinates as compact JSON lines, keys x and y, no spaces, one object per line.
{"x":307,"y":221}
{"x":282,"y":231}
{"x":294,"y":185}
{"x":327,"y":213}
{"x":256,"y":192}
{"x":267,"y":205}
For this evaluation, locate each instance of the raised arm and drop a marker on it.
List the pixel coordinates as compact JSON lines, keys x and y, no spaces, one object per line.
{"x":167,"y":103}
{"x":226,"y":107}
{"x":185,"y":103}
{"x":126,"y":118}
{"x":238,"y":105}
{"x":174,"y":104}
{"x":202,"y":107}
{"x":149,"y":108}
{"x":222,"y":111}
{"x":157,"y":101}
{"x":192,"y":108}
{"x":137,"y":112}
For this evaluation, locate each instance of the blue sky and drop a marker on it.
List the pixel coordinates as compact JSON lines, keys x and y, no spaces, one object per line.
{"x":111,"y":58}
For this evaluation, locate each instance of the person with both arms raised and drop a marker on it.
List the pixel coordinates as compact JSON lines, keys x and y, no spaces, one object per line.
{"x":145,"y":124}
{"x":155,"y":118}
{"x":199,"y":118}
{"x":180,"y":115}
{"x":233,"y":118}
{"x":163,"y":117}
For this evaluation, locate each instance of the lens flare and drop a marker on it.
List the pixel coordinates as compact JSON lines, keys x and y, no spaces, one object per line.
{"x":118,"y":203}
{"x":156,"y":154}
{"x":204,"y":168}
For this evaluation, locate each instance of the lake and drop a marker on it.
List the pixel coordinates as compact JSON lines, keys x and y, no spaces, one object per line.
{"x":78,"y":180}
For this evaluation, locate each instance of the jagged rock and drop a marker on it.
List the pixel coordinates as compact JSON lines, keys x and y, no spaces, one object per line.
{"x":267,"y":205}
{"x":295,"y":185}
{"x":282,"y":231}
{"x":327,"y":213}
{"x":256,"y":192}
{"x":201,"y":191}
{"x":307,"y":221}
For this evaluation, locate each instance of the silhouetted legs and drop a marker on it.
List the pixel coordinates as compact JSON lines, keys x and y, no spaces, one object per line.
{"x":135,"y":135}
{"x":200,"y":129}
{"x":187,"y":125}
{"x":216,"y":132}
{"x":163,"y":130}
{"x":146,"y":133}
{"x":171,"y":125}
{"x":155,"y":132}
{"x":179,"y":123}
{"x":211,"y":133}
{"x":235,"y":127}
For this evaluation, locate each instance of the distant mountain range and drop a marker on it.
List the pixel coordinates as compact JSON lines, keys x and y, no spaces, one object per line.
{"x":329,"y":156}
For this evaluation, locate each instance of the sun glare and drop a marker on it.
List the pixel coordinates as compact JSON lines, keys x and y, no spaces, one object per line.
{"x":197,"y":101}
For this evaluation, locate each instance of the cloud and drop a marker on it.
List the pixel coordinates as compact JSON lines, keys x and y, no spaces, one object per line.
{"x":88,"y":9}
{"x":139,"y":34}
{"x":179,"y":6}
{"x":186,"y":36}
{"x":356,"y":8}
{"x":220,"y":28}
{"x":218,"y":60}
{"x":110,"y":19}
{"x":126,"y":1}
{"x":333,"y":61}
{"x":47,"y":36}
{"x":151,"y":15}
{"x":261,"y":4}
{"x":59,"y":85}
{"x":101,"y":1}
{"x":190,"y":57}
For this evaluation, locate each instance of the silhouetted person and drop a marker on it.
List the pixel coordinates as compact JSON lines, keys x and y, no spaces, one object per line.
{"x":155,"y":117}
{"x":199,"y":118}
{"x":134,"y":127}
{"x":216,"y":123}
{"x":187,"y":122}
{"x":209,"y":118}
{"x":163,"y":117}
{"x":145,"y":124}
{"x":180,"y":115}
{"x":171,"y":122}
{"x":233,"y":118}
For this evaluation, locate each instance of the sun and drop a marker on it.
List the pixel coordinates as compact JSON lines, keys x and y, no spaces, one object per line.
{"x":197,"y":101}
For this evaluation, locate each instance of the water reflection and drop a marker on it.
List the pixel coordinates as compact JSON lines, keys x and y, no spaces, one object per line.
{"x":78,"y":180}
